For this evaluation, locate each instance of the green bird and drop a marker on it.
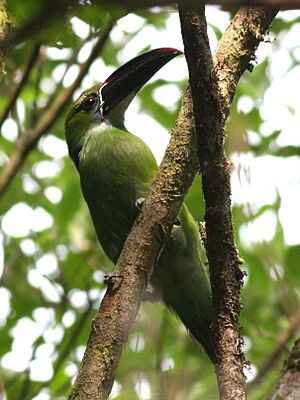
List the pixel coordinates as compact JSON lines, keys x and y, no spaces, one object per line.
{"x":116,"y":170}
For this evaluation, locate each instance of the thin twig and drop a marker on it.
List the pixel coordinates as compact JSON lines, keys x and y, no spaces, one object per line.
{"x":51,"y":10}
{"x":69,"y":346}
{"x":35,"y":109}
{"x":18,"y":88}
{"x":28,"y":140}
{"x":282,"y":341}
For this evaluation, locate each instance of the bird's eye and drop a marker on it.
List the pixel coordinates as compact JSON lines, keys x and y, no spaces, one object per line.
{"x":89,"y":102}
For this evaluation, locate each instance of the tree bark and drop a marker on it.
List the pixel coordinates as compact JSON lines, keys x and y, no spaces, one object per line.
{"x":288,"y":387}
{"x":224,"y":261}
{"x":4,"y":30}
{"x":213,"y":89}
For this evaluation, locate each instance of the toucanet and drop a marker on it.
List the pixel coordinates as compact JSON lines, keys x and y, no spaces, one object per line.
{"x":116,"y":170}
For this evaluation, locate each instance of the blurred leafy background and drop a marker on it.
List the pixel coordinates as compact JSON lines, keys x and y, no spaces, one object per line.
{"x":52,"y":267}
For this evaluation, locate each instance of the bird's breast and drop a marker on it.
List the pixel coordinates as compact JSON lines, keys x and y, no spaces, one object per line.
{"x":111,"y":182}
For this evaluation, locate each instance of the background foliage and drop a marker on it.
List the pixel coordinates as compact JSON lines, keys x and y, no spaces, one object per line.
{"x":53,"y":267}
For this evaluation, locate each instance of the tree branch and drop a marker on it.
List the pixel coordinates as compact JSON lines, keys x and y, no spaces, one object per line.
{"x":288,"y":387}
{"x":279,"y":4}
{"x":211,"y":108}
{"x":236,"y":49}
{"x":38,"y":22}
{"x":28,"y":140}
{"x":18,"y":88}
{"x":224,"y":262}
{"x":67,"y":346}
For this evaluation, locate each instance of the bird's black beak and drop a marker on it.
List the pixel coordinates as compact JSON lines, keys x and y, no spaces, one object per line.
{"x":127,"y":80}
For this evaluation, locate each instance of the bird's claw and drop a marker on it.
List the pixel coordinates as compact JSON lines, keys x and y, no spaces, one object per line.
{"x":176,"y":222}
{"x":113,"y":281}
{"x":139,"y":203}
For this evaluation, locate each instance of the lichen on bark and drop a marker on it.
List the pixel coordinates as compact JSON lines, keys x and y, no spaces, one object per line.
{"x":4,"y":30}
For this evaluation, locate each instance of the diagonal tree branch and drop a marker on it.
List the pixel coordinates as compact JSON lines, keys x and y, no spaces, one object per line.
{"x":68,"y":343}
{"x":18,"y":88}
{"x":121,"y":302}
{"x":37,"y":23}
{"x":236,"y":49}
{"x":28,"y":140}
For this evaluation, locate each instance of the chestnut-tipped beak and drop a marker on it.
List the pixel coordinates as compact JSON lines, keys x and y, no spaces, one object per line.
{"x":127,"y":80}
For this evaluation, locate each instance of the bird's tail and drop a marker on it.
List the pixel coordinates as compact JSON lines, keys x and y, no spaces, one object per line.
{"x":183,"y":283}
{"x":200,"y":330}
{"x":194,"y":308}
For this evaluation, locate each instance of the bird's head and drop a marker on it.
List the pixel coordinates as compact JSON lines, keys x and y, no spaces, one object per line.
{"x":106,"y":103}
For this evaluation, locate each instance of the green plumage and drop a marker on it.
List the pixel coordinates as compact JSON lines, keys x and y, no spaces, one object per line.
{"x":116,"y":168}
{"x":127,"y":169}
